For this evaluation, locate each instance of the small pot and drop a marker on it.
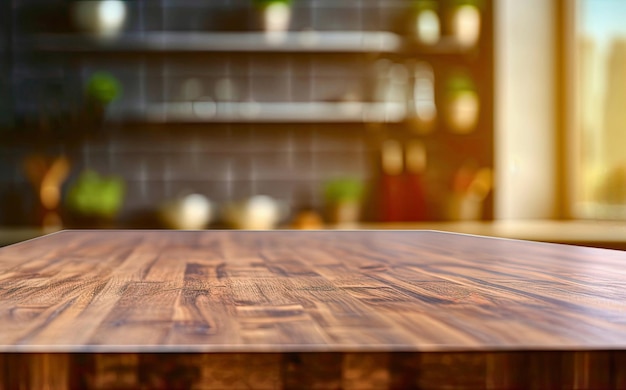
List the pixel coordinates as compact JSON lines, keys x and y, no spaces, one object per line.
{"x":462,"y":111}
{"x":105,"y":18}
{"x":345,"y":212}
{"x":465,"y":207}
{"x":275,"y":17}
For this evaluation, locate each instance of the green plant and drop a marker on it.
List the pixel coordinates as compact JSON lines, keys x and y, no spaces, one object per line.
{"x":344,"y":190}
{"x":424,"y":5}
{"x":93,"y":195}
{"x":103,"y":87}
{"x":263,"y":3}
{"x":460,"y":82}
{"x":475,"y":3}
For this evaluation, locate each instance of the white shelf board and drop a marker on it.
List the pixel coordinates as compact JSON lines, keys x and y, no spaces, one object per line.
{"x":296,"y":41}
{"x":305,"y":112}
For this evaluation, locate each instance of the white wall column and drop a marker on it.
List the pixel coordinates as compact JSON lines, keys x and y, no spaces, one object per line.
{"x":525,"y":109}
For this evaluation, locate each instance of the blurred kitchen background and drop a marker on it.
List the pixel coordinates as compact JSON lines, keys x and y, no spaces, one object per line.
{"x":308,"y":114}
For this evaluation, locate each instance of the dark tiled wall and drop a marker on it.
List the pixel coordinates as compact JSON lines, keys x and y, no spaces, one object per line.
{"x":224,"y":162}
{"x":5,"y":80}
{"x":231,"y":162}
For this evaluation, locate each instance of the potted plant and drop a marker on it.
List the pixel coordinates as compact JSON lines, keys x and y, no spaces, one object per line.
{"x":465,"y":21}
{"x":426,"y":22}
{"x":102,"y":89}
{"x":462,"y":104}
{"x":275,"y":14}
{"x":95,"y":200}
{"x":344,"y":197}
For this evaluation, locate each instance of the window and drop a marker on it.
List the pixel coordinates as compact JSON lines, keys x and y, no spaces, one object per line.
{"x":597,"y":109}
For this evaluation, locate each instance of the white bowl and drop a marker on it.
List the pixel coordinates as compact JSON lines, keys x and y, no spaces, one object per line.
{"x":259,"y":212}
{"x":190,"y":212}
{"x":101,"y":17}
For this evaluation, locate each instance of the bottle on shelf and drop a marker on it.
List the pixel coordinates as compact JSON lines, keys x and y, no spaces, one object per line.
{"x":415,"y":163}
{"x":422,"y":103}
{"x":392,"y":183}
{"x":465,"y":21}
{"x":427,"y":27}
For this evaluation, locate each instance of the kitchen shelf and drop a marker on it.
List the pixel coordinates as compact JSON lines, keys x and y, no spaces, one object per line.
{"x":293,"y":112}
{"x":303,"y":41}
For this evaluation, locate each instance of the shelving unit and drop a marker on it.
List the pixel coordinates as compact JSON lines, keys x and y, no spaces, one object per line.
{"x":247,"y":42}
{"x":289,"y":42}
{"x":315,"y":78}
{"x":292,"y":42}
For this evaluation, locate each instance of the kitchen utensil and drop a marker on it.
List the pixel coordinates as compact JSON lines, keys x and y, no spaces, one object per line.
{"x":47,"y":175}
{"x":307,"y":220}
{"x":470,"y":189}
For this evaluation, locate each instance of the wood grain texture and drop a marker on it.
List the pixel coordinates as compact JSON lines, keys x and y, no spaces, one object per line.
{"x":332,"y":309}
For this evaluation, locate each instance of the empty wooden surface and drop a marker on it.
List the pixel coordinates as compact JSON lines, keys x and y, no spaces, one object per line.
{"x":495,"y":309}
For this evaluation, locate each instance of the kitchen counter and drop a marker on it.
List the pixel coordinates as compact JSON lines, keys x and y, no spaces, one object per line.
{"x":12,"y":235}
{"x":604,"y":234}
{"x":304,"y":309}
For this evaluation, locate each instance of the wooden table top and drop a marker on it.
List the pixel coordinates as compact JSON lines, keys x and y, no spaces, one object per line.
{"x":277,"y":291}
